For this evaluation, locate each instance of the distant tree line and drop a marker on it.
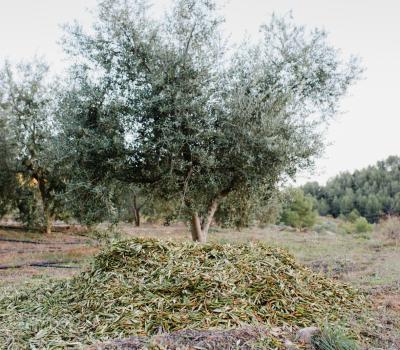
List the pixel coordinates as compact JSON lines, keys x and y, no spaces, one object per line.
{"x":371,"y":192}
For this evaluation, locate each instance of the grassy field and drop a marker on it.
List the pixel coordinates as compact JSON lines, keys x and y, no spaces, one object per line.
{"x":370,"y":262}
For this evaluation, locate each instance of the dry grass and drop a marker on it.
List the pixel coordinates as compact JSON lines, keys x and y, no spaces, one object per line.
{"x":389,"y":229}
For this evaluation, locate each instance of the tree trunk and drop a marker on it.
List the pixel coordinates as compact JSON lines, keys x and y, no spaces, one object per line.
{"x":48,"y":223}
{"x":210,"y":215}
{"x":198,"y":235}
{"x":47,"y":218}
{"x":136,"y":212}
{"x":200,"y":227}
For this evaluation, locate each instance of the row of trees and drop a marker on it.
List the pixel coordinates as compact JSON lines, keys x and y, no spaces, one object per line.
{"x":371,"y":192}
{"x":165,"y":112}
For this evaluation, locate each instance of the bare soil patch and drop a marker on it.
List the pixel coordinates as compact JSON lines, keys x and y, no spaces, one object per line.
{"x":28,"y":255}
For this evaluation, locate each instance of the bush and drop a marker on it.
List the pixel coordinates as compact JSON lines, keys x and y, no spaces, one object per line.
{"x":327,"y":226}
{"x":333,"y":338}
{"x":347,"y":228}
{"x":353,"y":216}
{"x":390,"y":228}
{"x":298,"y":211}
{"x":362,"y":225}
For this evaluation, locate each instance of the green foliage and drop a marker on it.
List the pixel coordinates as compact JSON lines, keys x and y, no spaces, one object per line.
{"x":354,"y":224}
{"x":8,"y":180}
{"x":245,"y":208}
{"x":32,"y":176}
{"x":362,"y":225}
{"x":92,"y":142}
{"x":162,"y":102}
{"x":372,"y":192}
{"x":91,"y":204}
{"x":27,"y":201}
{"x":346,"y":227}
{"x":333,"y":338}
{"x":353,"y":216}
{"x":298,"y":210}
{"x":131,"y":202}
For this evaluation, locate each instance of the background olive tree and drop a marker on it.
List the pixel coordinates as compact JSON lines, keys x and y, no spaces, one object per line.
{"x":8,"y":179}
{"x":31,"y":177}
{"x":193,"y":119}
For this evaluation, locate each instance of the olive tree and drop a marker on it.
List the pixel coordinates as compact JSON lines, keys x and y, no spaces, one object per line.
{"x":30,"y":160}
{"x":8,"y":179}
{"x":202,"y":120}
{"x":91,"y":143}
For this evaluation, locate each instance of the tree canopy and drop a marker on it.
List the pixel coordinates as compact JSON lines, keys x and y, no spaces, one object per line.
{"x":166,"y":104}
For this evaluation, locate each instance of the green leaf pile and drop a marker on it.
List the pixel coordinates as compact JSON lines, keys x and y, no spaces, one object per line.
{"x":142,"y":287}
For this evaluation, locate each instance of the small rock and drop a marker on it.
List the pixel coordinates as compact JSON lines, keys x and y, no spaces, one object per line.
{"x":289,"y":345}
{"x":304,"y":335}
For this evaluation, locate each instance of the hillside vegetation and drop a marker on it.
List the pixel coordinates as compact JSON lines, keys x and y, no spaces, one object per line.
{"x":371,"y":192}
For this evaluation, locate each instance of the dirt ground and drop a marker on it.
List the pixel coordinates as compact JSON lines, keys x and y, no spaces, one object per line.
{"x":370,"y":263}
{"x":29,"y":257}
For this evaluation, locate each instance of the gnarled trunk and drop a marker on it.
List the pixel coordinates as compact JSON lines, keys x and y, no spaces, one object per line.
{"x":198,"y":234}
{"x":200,"y":227}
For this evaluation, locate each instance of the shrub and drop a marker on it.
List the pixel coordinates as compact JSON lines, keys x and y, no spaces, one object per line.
{"x":347,"y":227}
{"x":298,"y":211}
{"x":362,"y":225}
{"x":333,"y":338}
{"x":390,"y":228}
{"x":327,"y":226}
{"x":353,"y":216}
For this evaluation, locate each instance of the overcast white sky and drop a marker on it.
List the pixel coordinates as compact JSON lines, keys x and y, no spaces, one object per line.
{"x":367,"y":132}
